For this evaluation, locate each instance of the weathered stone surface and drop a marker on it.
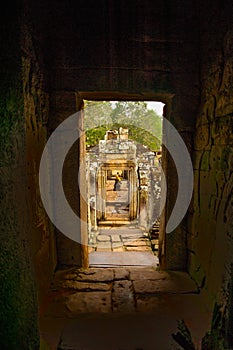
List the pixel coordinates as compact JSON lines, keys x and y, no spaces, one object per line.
{"x":65,"y":274}
{"x":118,"y":249}
{"x":121,"y":274}
{"x":198,"y":68}
{"x":85,"y":286}
{"x":91,"y":249}
{"x":117,"y":244}
{"x":176,"y":283}
{"x":132,"y":236}
{"x":138,"y":249}
{"x":103,"y":249}
{"x":132,"y":258}
{"x":150,"y":303}
{"x":134,"y":243}
{"x":88,"y":302}
{"x":115,"y":238}
{"x":123,"y":297}
{"x":103,"y":238}
{"x":95,"y":275}
{"x":148,"y":274}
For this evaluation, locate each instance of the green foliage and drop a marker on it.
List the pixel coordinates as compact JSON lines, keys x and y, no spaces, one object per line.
{"x":125,"y":111}
{"x":94,"y":135}
{"x":145,"y":126}
{"x":97,"y":113}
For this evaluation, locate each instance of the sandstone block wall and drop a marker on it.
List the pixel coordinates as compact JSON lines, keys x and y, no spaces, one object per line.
{"x":210,"y":222}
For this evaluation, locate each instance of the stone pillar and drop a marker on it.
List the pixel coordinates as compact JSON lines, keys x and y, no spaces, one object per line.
{"x":173,"y":246}
{"x":82,"y":193}
{"x":93,"y":193}
{"x":132,"y":194}
{"x":103,"y":191}
{"x":88,"y":186}
{"x":71,"y":253}
{"x":100,"y":207}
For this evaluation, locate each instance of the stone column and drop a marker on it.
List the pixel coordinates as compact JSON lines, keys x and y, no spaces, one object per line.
{"x":132,"y":194}
{"x":173,"y":246}
{"x":70,"y":253}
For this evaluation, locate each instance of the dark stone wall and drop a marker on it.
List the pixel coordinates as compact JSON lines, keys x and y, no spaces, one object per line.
{"x":36,"y":115}
{"x":18,"y":296}
{"x":211,"y":225}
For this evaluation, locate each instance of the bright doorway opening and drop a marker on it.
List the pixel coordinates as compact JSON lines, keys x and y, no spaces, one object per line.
{"x":123,"y":175}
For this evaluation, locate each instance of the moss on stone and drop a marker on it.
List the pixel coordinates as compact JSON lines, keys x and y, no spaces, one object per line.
{"x":18,"y":301}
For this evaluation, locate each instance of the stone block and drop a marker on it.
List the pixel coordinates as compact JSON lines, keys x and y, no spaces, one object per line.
{"x":86,"y":286}
{"x":123,"y":297}
{"x":117,"y":244}
{"x":94,"y":275}
{"x":138,"y":249}
{"x":118,"y":249}
{"x":177,"y":282}
{"x":121,"y":274}
{"x":103,"y":249}
{"x":115,"y":238}
{"x":103,"y":238}
{"x":132,"y":235}
{"x":83,"y":302}
{"x":137,"y":243}
{"x":147,"y":274}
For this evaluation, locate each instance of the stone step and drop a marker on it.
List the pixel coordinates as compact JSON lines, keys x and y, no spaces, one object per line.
{"x":114,"y":222}
{"x":130,"y":258}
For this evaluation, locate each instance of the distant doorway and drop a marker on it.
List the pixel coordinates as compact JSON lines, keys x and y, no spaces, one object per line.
{"x":117,"y":195}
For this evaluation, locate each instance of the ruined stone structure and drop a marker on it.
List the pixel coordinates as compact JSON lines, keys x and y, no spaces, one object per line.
{"x":54,"y":55}
{"x":138,"y":198}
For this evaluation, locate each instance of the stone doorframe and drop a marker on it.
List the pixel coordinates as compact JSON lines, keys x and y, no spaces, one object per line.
{"x":101,"y":186}
{"x":172,"y":247}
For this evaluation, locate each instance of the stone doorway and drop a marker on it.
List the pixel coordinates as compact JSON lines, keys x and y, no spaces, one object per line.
{"x":117,"y":188}
{"x":117,"y":195}
{"x":120,"y":214}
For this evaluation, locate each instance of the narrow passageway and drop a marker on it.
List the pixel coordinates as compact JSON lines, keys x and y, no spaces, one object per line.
{"x":63,"y":61}
{"x":122,"y":300}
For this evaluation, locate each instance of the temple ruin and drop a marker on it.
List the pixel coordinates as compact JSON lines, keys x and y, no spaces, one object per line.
{"x":54,"y":56}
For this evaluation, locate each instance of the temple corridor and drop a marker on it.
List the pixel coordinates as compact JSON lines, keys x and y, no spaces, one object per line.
{"x":69,"y":275}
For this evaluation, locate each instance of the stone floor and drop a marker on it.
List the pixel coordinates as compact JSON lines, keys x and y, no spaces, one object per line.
{"x":126,"y":245}
{"x":117,"y":259}
{"x":120,"y":309}
{"x":121,"y":239}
